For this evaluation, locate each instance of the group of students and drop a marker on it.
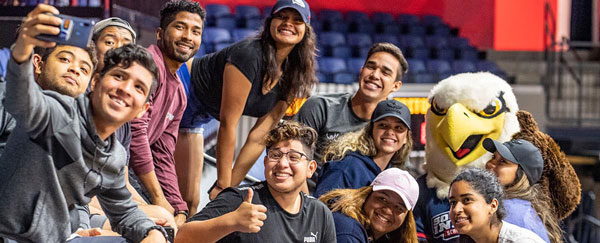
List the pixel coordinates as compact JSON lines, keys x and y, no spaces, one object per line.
{"x":73,"y":124}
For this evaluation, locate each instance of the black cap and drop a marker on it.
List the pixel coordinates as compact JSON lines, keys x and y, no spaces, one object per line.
{"x":521,"y":152}
{"x":392,"y":108}
{"x":299,"y":5}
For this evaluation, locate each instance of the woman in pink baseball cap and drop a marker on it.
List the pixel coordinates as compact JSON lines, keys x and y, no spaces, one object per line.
{"x":381,"y":212}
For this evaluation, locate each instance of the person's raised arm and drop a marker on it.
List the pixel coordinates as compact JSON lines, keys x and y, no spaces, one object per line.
{"x":254,"y":145}
{"x":236,"y":88}
{"x":247,"y":218}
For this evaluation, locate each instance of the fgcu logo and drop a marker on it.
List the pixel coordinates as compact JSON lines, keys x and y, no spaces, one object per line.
{"x":442,"y":227}
{"x":311,"y":238}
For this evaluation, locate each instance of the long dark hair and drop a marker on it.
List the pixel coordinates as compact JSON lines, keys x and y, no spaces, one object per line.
{"x":298,"y":74}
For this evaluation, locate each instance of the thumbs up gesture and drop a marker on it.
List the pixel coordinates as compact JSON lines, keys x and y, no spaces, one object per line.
{"x":249,"y":216}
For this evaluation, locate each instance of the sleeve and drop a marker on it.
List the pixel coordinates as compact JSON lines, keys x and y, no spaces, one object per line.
{"x":331,"y":179}
{"x":124,"y":215}
{"x":419,"y":214}
{"x":312,"y":114}
{"x":84,"y":216}
{"x":247,"y":60}
{"x":227,"y":201}
{"x":162,"y":152}
{"x":29,"y":105}
{"x":141,"y":156}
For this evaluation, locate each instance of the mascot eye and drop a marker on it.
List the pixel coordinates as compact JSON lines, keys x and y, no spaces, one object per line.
{"x":493,"y":109}
{"x":435,"y":108}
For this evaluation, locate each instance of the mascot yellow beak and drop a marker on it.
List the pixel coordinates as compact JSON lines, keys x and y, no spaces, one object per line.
{"x":460,"y":132}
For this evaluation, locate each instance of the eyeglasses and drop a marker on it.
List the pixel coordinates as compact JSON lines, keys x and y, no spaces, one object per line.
{"x":293,"y":157}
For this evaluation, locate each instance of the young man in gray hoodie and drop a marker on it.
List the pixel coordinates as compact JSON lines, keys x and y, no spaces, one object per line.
{"x":63,"y":150}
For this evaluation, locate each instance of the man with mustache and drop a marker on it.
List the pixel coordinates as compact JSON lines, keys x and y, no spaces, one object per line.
{"x":153,"y":136}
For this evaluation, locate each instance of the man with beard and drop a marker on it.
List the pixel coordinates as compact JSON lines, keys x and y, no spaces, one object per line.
{"x":153,"y":136}
{"x":275,"y":210}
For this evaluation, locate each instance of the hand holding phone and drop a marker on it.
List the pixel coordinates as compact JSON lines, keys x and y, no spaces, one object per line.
{"x":73,"y":31}
{"x":37,"y":22}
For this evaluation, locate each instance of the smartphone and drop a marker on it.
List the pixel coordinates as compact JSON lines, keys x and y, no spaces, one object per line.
{"x":73,"y":31}
{"x":170,"y":233}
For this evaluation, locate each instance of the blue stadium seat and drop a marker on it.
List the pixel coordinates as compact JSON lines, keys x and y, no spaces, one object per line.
{"x":266,"y":12}
{"x":440,"y":68}
{"x":415,"y":29}
{"x":247,"y":12}
{"x":438,"y":30}
{"x":432,"y":20}
{"x":330,"y":15}
{"x":418,"y":52}
{"x":215,"y":35}
{"x":491,"y":67}
{"x":254,"y":24}
{"x":361,"y":52}
{"x":332,"y":65}
{"x":343,"y":78}
{"x":411,"y":41}
{"x":417,"y":73}
{"x":341,"y":52}
{"x":459,"y":42}
{"x":214,"y":11}
{"x":467,"y":53}
{"x":366,"y":28}
{"x":386,"y":38}
{"x":384,"y":18}
{"x":463,"y":66}
{"x":220,"y":46}
{"x":436,"y":42}
{"x":331,"y":39}
{"x":240,"y":34}
{"x":357,"y":17}
{"x":354,"y":65}
{"x":359,"y":40}
{"x":390,"y":29}
{"x":408,"y":19}
{"x":322,"y":77}
{"x":227,"y":22}
{"x":444,"y":53}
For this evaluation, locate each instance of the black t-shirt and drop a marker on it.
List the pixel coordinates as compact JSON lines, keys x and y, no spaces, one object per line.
{"x":330,"y":115}
{"x":313,"y":223}
{"x":246,"y":55}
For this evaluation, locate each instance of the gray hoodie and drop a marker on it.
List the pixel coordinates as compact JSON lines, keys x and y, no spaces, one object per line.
{"x":53,"y":161}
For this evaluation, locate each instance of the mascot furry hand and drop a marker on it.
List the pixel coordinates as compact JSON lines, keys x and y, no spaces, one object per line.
{"x":465,"y":109}
{"x":559,"y":181}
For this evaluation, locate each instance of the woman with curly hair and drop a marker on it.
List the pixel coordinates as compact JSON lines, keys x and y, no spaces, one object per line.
{"x":477,"y":211}
{"x":258,"y":77}
{"x":381,"y":212}
{"x":518,"y":164}
{"x":360,"y":156}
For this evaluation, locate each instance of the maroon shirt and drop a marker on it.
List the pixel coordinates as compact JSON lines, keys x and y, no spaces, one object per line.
{"x":153,"y":136}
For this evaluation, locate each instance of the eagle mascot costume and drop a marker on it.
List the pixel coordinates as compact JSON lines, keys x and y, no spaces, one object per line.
{"x":464,"y":110}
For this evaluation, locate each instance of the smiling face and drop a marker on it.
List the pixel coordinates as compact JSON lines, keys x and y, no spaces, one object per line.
{"x":109,"y":38}
{"x":377,"y":79}
{"x":389,"y":135}
{"x":287,"y":27}
{"x":120,"y":95}
{"x":181,"y":38}
{"x":67,"y":70}
{"x":469,"y":212}
{"x":505,"y":170}
{"x":284,"y":175}
{"x":385,"y":210}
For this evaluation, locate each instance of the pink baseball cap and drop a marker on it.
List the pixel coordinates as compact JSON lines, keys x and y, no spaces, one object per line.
{"x":400,"y":182}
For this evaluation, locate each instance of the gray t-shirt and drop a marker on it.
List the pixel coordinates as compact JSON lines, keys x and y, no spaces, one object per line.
{"x":330,"y":115}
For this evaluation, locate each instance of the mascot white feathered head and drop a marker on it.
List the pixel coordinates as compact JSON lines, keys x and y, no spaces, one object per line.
{"x":466,"y":109}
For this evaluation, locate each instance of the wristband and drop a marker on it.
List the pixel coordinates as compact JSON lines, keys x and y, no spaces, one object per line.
{"x":186,"y":213}
{"x":159,"y":228}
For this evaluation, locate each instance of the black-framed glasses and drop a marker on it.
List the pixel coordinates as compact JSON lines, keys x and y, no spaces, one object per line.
{"x":293,"y":157}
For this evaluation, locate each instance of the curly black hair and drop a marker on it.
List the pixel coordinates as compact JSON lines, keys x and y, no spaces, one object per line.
{"x":486,"y":184}
{"x":172,"y":8}
{"x":125,"y":55}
